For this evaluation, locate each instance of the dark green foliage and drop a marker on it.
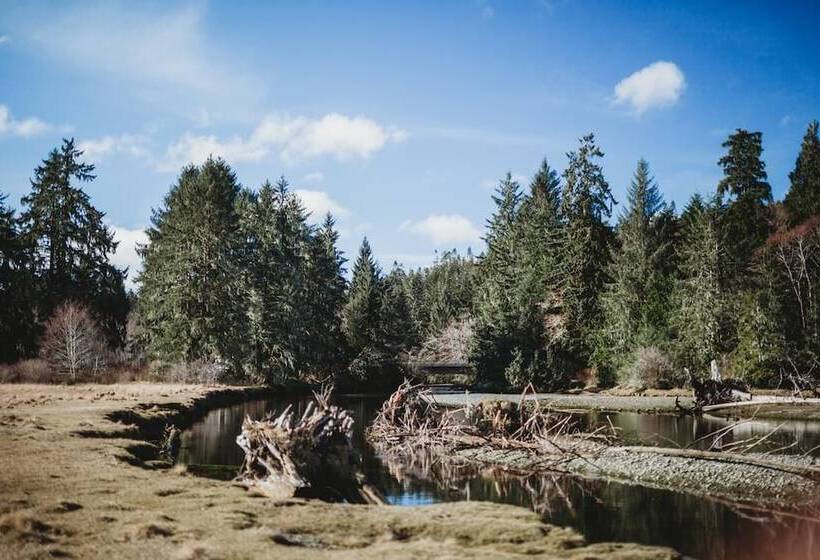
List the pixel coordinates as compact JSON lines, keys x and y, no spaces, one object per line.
{"x":325,"y":292}
{"x":72,"y":244}
{"x":377,"y":324}
{"x":511,"y":344}
{"x":17,"y":311}
{"x":587,"y":203}
{"x":803,"y":198}
{"x":636,"y":301}
{"x":279,"y":248}
{"x":361,"y":312}
{"x":440,"y":293}
{"x":745,"y":223}
{"x":700,"y":304}
{"x":192,"y":299}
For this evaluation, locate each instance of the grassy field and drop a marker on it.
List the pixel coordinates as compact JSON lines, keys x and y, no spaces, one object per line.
{"x":72,"y":484}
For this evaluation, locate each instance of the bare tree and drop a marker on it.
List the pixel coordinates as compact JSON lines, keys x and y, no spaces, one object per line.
{"x":72,"y":343}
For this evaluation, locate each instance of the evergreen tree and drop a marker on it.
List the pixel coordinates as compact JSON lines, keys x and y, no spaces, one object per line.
{"x":396,"y":329}
{"x":279,"y":295}
{"x":745,"y":222}
{"x":361,"y":312}
{"x":17,"y":320}
{"x":493,"y":343}
{"x":635,"y":302}
{"x":803,"y":198}
{"x":192,"y":300}
{"x":71,"y":243}
{"x":700,"y":301}
{"x":586,"y":204}
{"x":326,"y":291}
{"x":542,"y":228}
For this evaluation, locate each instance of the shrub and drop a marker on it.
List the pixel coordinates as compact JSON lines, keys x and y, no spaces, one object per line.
{"x":651,"y":368}
{"x":73,"y":344}
{"x":203,"y":372}
{"x":26,"y":371}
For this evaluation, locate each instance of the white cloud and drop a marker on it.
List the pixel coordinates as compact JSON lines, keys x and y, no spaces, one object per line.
{"x":444,"y":229}
{"x":126,"y":253}
{"x":786,"y":121}
{"x":315,"y":177}
{"x":319,"y":203}
{"x":166,"y":52}
{"x":4,"y":39}
{"x":25,"y":128}
{"x":99,"y":148}
{"x":658,"y":85}
{"x":295,"y":138}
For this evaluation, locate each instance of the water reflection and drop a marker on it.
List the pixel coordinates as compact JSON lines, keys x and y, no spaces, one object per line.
{"x":601,"y":510}
{"x":668,"y":430}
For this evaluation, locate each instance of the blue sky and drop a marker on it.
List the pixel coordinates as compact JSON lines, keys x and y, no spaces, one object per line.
{"x":399,"y":117}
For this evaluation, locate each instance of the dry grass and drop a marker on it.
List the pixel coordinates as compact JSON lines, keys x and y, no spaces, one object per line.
{"x":125,"y":511}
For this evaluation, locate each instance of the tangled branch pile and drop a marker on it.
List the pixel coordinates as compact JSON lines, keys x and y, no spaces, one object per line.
{"x":410,"y":420}
{"x":311,"y":455}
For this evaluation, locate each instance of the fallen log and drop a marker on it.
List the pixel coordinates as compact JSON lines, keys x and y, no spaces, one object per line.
{"x":311,"y":455}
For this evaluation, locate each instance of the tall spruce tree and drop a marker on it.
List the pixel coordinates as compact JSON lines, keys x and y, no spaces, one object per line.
{"x":586,"y":205}
{"x":17,"y":312}
{"x":361,"y":312}
{"x":635,"y":302}
{"x":700,"y":304}
{"x":71,"y":243}
{"x":326,"y":297}
{"x":745,"y":223}
{"x":803,"y":198}
{"x":492,"y":345}
{"x":279,"y":295}
{"x":192,"y":300}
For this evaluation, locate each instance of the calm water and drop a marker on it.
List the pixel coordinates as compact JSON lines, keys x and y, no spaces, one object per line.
{"x":601,"y":510}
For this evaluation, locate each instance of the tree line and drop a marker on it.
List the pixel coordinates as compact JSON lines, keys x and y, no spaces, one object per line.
{"x":240,"y":283}
{"x":734,"y":277}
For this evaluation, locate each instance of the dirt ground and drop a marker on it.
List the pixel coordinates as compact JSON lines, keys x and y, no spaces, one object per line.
{"x":76,"y":481}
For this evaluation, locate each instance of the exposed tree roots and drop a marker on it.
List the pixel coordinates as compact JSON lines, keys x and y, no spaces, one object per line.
{"x":308,"y":456}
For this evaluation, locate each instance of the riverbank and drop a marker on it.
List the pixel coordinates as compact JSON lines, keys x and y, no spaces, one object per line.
{"x":79,"y":479}
{"x":769,"y":405}
{"x":775,"y":482}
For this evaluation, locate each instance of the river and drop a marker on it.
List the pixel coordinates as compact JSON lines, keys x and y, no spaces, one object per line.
{"x":601,"y":510}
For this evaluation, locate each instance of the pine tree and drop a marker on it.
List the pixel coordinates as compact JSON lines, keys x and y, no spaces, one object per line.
{"x":361,"y":312}
{"x":803,"y":198}
{"x":279,"y":293}
{"x":71,"y":243}
{"x":396,"y":331}
{"x":17,"y":312}
{"x":635,"y":302}
{"x":542,"y":228}
{"x":192,"y":300}
{"x":699,"y":299}
{"x":493,"y":343}
{"x":745,"y":222}
{"x":587,"y":202}
{"x":326,"y":290}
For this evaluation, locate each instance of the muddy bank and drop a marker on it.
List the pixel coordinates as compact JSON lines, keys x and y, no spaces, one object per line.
{"x":75,"y":484}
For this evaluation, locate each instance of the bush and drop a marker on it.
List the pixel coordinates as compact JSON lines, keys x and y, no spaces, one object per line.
{"x":373,"y":371}
{"x":26,"y":371}
{"x":651,"y":368}
{"x":73,"y":344}
{"x":201,"y":372}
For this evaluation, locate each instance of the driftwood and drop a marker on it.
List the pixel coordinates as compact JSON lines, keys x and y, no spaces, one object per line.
{"x":311,"y":455}
{"x":719,"y":391}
